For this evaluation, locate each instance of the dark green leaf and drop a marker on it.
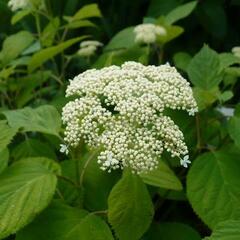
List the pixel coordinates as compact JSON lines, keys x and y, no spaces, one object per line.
{"x":172,"y":231}
{"x":180,"y":12}
{"x":7,"y":134}
{"x":205,"y":69}
{"x":62,"y":222}
{"x":213,"y":186}
{"x":26,"y":188}
{"x":227,"y":230}
{"x":4,"y":156}
{"x":44,"y":119}
{"x":130,"y":208}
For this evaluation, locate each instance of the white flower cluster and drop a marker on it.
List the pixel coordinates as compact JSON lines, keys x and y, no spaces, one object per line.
{"x":88,"y":48}
{"x":23,"y":4}
{"x":18,"y":4}
{"x":236,"y":51}
{"x":148,"y":33}
{"x":120,"y":110}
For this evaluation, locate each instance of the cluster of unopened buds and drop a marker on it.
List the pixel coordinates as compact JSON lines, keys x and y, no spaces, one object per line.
{"x":120,"y":111}
{"x":89,"y":48}
{"x":148,"y":33}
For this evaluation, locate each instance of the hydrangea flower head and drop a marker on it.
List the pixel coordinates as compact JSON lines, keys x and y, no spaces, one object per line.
{"x":88,"y":48}
{"x":148,"y":33}
{"x":120,"y":110}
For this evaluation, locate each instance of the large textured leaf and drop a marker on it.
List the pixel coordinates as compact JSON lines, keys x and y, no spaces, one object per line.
{"x":26,"y":188}
{"x":62,"y":222}
{"x":205,"y":69}
{"x":213,"y":186}
{"x":180,"y":12}
{"x":130,"y":209}
{"x":45,"y":119}
{"x":33,"y":148}
{"x":11,"y":50}
{"x":172,"y":231}
{"x":42,"y":56}
{"x":4,"y":156}
{"x":6,"y":134}
{"x":163,"y":177}
{"x":227,"y":230}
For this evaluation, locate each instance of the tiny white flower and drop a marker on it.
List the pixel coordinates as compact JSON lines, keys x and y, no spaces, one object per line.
{"x":64,"y":149}
{"x":185,"y":161}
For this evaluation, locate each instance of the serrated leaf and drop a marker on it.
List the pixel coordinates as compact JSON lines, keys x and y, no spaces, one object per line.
{"x":44,"y":119}
{"x":11,"y":50}
{"x":7,"y":134}
{"x":163,"y":177}
{"x":180,"y":12}
{"x":62,"y":222}
{"x":130,"y":208}
{"x":26,"y":188}
{"x":227,"y":230}
{"x":172,"y":231}
{"x":213,"y":186}
{"x":42,"y":56}
{"x":205,"y":70}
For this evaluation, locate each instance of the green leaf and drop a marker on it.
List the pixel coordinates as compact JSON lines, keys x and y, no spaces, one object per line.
{"x":182,"y":60}
{"x":44,"y":119}
{"x":123,"y":39}
{"x":42,"y":56}
{"x":33,"y":148}
{"x":4,"y":156}
{"x":20,"y":15}
{"x":93,"y":178}
{"x":205,"y":69}
{"x":213,"y":186}
{"x":7,"y":134}
{"x":80,"y":24}
{"x":11,"y":50}
{"x":88,"y":11}
{"x":62,"y":222}
{"x":172,"y":31}
{"x":26,"y":188}
{"x":130,"y":209}
{"x":234,"y":129}
{"x":227,"y":230}
{"x":49,"y":32}
{"x":205,"y":98}
{"x":225,"y":96}
{"x":228,"y":59}
{"x":172,"y":231}
{"x":163,"y":177}
{"x":180,"y":12}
